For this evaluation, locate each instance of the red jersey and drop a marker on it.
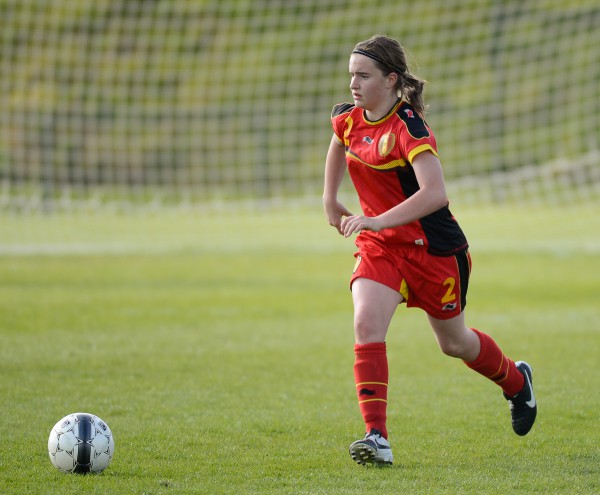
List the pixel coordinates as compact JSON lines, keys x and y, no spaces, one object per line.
{"x":379,"y":156}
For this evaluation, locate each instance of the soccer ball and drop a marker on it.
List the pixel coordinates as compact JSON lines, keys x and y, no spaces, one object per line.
{"x":81,"y":443}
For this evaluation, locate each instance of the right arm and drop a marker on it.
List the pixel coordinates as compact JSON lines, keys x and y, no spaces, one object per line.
{"x":335,"y":168}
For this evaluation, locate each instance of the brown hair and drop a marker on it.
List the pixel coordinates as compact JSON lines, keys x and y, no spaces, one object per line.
{"x":389,"y":57}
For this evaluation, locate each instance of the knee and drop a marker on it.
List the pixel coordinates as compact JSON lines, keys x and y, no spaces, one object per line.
{"x":363,"y":330}
{"x":366,"y":331}
{"x":453,"y":348}
{"x":455,"y":339}
{"x":465,"y":349}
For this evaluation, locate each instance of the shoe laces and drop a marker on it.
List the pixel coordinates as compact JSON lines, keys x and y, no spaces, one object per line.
{"x":373,"y":432}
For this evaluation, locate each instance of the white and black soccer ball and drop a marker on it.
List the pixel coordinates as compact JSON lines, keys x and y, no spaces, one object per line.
{"x":81,"y":443}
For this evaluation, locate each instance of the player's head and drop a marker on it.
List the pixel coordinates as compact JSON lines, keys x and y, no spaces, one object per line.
{"x":389,"y":57}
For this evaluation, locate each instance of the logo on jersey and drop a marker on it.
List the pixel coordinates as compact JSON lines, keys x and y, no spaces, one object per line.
{"x":409,"y":113}
{"x":386,"y":143}
{"x":368,"y":139}
{"x":449,"y":307}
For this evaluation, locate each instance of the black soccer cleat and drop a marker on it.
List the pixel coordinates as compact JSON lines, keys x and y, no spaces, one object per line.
{"x":523,"y":406}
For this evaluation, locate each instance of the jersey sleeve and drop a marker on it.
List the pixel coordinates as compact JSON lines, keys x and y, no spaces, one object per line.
{"x":338,"y":118}
{"x":415,"y":134}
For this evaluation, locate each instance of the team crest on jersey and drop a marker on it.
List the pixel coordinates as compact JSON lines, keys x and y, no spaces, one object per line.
{"x":386,"y":143}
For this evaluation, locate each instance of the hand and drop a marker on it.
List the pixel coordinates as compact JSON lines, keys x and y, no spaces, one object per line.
{"x":335,"y":211}
{"x":356,"y":223}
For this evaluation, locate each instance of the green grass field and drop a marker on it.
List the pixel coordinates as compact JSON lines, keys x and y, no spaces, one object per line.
{"x":218,"y":347}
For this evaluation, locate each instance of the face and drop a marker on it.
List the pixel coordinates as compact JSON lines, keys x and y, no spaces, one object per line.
{"x":370,"y":88}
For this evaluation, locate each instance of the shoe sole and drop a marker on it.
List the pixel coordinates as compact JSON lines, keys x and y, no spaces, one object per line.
{"x":364,"y":454}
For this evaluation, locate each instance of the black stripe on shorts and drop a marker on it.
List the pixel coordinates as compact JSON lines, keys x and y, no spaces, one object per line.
{"x":464,"y":271}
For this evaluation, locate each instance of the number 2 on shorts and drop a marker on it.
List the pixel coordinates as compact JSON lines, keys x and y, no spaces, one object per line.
{"x":450,"y":282}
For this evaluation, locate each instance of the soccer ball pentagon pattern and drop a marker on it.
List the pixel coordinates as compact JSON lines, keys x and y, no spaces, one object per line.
{"x":81,"y":443}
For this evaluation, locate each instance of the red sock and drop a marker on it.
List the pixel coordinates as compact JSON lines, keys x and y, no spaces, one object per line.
{"x":493,"y":364}
{"x":371,"y":377}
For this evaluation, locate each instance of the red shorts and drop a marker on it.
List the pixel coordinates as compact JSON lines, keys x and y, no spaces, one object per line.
{"x":436,"y":284}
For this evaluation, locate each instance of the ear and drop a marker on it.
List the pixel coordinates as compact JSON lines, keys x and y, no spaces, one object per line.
{"x":392,"y":79}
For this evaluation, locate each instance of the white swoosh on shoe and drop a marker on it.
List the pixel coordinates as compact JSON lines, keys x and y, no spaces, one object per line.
{"x":531,"y":402}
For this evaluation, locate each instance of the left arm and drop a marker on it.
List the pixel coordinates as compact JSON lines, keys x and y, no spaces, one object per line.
{"x":430,"y":197}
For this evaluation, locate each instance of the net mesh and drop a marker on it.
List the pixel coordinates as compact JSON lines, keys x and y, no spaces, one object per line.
{"x":135,"y":102}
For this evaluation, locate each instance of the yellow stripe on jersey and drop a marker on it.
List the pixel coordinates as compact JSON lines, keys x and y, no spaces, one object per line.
{"x":384,"y":166}
{"x":419,"y":149}
{"x":371,"y":383}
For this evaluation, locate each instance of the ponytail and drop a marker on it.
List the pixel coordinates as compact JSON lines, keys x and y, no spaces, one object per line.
{"x":411,"y":89}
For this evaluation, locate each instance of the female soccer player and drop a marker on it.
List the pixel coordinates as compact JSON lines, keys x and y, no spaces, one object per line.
{"x":410,"y":247}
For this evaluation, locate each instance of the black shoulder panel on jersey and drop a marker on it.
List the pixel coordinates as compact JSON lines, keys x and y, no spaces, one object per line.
{"x":341,"y":108}
{"x":413,"y":121}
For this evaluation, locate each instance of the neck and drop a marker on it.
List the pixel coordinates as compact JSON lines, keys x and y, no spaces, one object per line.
{"x":382,"y":110}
